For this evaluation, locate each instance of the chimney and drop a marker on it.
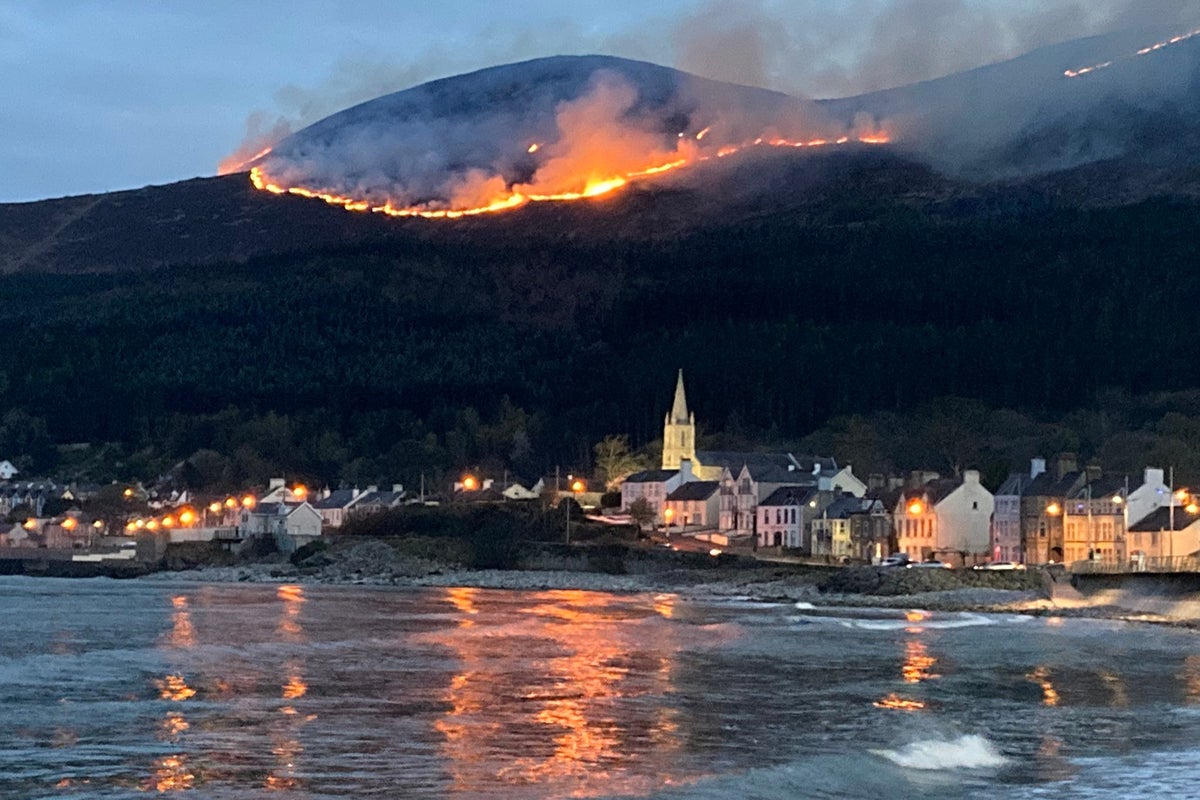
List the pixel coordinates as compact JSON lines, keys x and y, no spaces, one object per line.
{"x":1094,"y":472}
{"x":876,"y":481}
{"x":971,"y":477}
{"x":372,"y":488}
{"x":276,"y":483}
{"x":1066,"y":462}
{"x":1036,"y":467}
{"x":1153,"y":477}
{"x":397,"y":488}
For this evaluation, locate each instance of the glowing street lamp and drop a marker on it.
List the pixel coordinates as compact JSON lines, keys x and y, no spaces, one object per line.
{"x":187,"y":517}
{"x":168,"y":521}
{"x":470,"y":483}
{"x":299,"y":491}
{"x":69,"y":524}
{"x":1054,"y":509}
{"x":916,"y":508}
{"x":578,"y":486}
{"x":231,"y":502}
{"x":248,"y":501}
{"x":214,"y":508}
{"x":128,"y":493}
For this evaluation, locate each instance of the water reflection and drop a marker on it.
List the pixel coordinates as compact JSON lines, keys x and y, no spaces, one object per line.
{"x":561,"y":711}
{"x":285,"y":732}
{"x":182,"y":632}
{"x":1041,"y":676}
{"x":917,"y":666}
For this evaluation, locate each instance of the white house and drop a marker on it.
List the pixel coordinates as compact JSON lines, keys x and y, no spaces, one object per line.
{"x":292,"y":525}
{"x":7,"y":471}
{"x":694,"y":505}
{"x":781,"y":517}
{"x":744,"y":489}
{"x":947,"y":518}
{"x":1152,"y":494}
{"x":654,"y":485}
{"x":1165,"y":533}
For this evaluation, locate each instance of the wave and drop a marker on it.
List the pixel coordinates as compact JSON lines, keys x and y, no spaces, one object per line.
{"x":966,"y":752}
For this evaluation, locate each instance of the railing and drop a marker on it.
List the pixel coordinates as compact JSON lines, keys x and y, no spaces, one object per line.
{"x":1156,"y":564}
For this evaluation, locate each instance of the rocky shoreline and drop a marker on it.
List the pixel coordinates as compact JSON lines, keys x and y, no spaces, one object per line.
{"x":375,"y":563}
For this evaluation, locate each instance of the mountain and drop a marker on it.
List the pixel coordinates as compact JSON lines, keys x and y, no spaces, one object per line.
{"x":250,"y":332}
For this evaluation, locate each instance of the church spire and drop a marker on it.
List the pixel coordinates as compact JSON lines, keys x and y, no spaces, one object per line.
{"x":679,"y":411}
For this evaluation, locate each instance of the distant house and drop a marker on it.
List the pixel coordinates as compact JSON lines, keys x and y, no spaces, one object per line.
{"x":946,"y":518}
{"x":1042,"y":504}
{"x":373,"y":501}
{"x":756,"y":479}
{"x":291,"y":525}
{"x":653,"y":485}
{"x":7,"y":471}
{"x":833,"y":529}
{"x":782,"y":517}
{"x":1006,"y":522}
{"x":694,"y":505}
{"x":1094,"y":522}
{"x":334,"y":506}
{"x":1166,"y":532}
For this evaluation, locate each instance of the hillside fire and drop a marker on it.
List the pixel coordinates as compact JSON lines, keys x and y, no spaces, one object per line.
{"x":570,"y":187}
{"x":1183,"y":37}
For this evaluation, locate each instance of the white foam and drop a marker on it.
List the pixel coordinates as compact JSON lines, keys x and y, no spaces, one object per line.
{"x":805,"y":606}
{"x":966,"y":752}
{"x":958,"y":621}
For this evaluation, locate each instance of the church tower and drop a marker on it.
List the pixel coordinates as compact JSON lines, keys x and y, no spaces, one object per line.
{"x":679,"y":431}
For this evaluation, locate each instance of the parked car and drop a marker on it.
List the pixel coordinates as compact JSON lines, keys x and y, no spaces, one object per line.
{"x":999,"y":566}
{"x":898,"y":560}
{"x":934,"y":564}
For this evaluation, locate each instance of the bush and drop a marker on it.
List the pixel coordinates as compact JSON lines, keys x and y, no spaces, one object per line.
{"x":310,"y":549}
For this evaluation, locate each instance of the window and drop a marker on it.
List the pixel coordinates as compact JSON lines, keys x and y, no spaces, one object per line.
{"x":975,"y":506}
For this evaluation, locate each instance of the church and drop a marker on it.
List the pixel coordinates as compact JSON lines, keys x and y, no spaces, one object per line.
{"x":747,"y":479}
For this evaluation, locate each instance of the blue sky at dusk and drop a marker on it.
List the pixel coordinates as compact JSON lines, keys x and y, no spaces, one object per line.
{"x":108,"y":95}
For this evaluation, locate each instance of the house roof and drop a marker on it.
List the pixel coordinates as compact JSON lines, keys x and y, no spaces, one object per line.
{"x":1099,"y":489}
{"x":652,"y":476}
{"x":337,"y":499}
{"x":1047,"y":485}
{"x":1014,"y":484}
{"x":1163,"y":519}
{"x":771,"y":473}
{"x":935,"y":491}
{"x":789,"y":496}
{"x":695,"y":490}
{"x":846,"y":505}
{"x":380,"y":498}
{"x":734,"y":460}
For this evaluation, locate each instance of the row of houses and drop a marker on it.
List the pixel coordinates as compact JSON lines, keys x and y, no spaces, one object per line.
{"x":811,"y":505}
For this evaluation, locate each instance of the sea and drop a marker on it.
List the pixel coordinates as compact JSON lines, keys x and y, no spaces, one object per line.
{"x":124,"y":689}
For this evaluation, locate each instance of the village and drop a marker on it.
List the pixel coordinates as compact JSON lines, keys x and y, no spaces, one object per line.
{"x":777,"y":505}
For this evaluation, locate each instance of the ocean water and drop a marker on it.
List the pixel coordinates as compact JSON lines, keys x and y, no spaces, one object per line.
{"x":124,"y":689}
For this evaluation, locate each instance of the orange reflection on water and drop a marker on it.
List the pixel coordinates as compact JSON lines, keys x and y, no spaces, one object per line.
{"x":174,"y":687}
{"x":289,"y":622}
{"x":895,"y":701}
{"x":174,"y":724}
{"x":1041,"y":676}
{"x":664,"y":604}
{"x":917,"y":662}
{"x":182,"y":632}
{"x":586,"y":749}
{"x":463,"y":598}
{"x":171,"y":774}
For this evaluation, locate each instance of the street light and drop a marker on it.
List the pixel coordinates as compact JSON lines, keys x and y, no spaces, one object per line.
{"x":470,"y":483}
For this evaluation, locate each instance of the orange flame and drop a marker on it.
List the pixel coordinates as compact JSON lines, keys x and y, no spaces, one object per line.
{"x":1077,"y":73}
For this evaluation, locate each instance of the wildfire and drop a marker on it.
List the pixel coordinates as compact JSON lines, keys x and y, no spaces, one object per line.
{"x":1077,"y":73}
{"x":517,"y":196}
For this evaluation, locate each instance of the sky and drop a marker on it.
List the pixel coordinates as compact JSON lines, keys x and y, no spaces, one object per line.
{"x":100,"y":95}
